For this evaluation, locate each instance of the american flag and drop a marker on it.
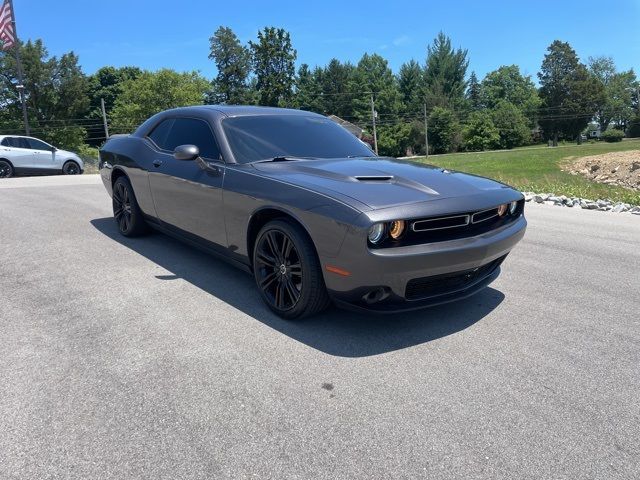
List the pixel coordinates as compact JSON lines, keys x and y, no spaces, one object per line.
{"x":7,"y":35}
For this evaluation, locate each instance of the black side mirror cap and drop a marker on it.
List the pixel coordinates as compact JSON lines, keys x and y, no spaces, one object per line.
{"x":186,"y":152}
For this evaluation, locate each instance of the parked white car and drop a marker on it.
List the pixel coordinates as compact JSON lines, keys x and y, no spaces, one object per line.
{"x":27,"y":155}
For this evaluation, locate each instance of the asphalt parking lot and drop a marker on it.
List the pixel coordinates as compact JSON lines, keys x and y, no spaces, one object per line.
{"x":143,"y":358}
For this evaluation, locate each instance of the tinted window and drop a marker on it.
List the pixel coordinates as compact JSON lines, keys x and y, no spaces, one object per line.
{"x":18,"y":142}
{"x":5,"y":142}
{"x":37,"y":144}
{"x":189,"y":131}
{"x":159,"y":134}
{"x":261,"y":137}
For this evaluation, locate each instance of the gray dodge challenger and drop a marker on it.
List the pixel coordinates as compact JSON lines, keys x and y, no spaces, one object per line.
{"x":309,"y":210}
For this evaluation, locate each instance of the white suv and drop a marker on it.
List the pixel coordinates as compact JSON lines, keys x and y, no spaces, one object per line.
{"x":28,"y":155}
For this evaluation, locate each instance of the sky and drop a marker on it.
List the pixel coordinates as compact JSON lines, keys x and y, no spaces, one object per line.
{"x":161,"y":33}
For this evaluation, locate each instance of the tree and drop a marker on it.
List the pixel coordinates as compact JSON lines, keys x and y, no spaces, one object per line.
{"x":508,"y":84}
{"x":374,"y":77}
{"x":152,"y":92}
{"x":443,"y":130}
{"x":273,"y":60}
{"x":410,"y":80}
{"x":511,"y":124}
{"x":480,"y":133}
{"x":308,"y":95}
{"x":570,"y":95}
{"x":336,"y":80}
{"x":633,"y":130}
{"x":619,"y":92}
{"x":233,"y":62}
{"x":56,"y":94}
{"x":105,"y":84}
{"x":445,"y":73}
{"x":474,"y":96}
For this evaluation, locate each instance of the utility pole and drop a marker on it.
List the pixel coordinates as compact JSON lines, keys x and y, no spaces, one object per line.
{"x":104,"y":120}
{"x":20,"y":85}
{"x":373,"y":120}
{"x":426,"y":132}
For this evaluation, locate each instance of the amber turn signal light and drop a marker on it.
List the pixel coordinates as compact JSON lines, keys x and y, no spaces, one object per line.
{"x":397,"y":228}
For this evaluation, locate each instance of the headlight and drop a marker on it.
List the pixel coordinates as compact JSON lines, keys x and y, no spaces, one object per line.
{"x":376,"y":233}
{"x":513,"y":206}
{"x":396,"y":229}
{"x":502,"y":209}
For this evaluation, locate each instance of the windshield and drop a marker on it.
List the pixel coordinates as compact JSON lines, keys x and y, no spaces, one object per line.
{"x":263,"y":137}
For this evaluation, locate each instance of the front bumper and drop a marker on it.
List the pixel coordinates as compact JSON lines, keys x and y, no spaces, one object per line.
{"x":447,"y":271}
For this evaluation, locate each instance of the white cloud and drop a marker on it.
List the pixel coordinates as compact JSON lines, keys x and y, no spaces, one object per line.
{"x":401,"y":40}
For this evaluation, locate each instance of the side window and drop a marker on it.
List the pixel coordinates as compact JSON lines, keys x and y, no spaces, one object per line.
{"x":5,"y":142}
{"x":37,"y":144}
{"x":190,"y":131}
{"x":160,"y":132}
{"x":19,"y":142}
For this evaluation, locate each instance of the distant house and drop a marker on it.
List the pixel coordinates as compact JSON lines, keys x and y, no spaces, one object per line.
{"x":356,"y":130}
{"x":593,"y":130}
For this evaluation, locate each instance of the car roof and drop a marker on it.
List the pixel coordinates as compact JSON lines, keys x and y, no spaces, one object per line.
{"x":243,"y":110}
{"x":19,"y":136}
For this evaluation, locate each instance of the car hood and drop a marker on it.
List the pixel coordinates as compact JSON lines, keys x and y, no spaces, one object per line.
{"x":378,"y":182}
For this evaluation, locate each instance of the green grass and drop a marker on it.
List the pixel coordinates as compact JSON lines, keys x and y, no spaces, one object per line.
{"x":537,"y":169}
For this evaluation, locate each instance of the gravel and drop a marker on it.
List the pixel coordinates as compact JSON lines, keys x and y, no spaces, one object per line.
{"x":599,"y":204}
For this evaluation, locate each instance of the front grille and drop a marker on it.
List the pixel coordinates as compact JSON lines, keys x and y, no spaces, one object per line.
{"x":440,"y":223}
{"x":484,"y":215}
{"x":425,"y":287}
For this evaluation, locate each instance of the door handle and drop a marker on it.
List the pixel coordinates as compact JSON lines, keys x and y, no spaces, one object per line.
{"x":157,"y":163}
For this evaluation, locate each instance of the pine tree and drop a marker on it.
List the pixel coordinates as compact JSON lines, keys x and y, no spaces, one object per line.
{"x":473,"y":93}
{"x":445,"y":74}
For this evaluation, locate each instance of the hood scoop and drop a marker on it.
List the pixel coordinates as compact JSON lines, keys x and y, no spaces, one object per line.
{"x":373,"y":178}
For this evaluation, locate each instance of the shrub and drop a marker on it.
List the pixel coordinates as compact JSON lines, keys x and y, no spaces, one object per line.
{"x":612,"y":135}
{"x":400,"y":140}
{"x":443,"y":131}
{"x":66,"y":137}
{"x":634,"y":127}
{"x":512,"y":125}
{"x":480,"y":133}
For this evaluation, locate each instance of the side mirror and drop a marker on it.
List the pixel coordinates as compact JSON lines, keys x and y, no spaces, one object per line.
{"x":186,"y":152}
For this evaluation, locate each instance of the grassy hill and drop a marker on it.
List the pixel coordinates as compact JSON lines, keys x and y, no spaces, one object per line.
{"x":537,"y":169}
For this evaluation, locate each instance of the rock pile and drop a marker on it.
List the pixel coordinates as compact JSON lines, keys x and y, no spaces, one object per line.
{"x":575,"y":202}
{"x":614,"y":168}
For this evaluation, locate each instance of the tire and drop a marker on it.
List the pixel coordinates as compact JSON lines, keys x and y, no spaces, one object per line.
{"x":71,"y":168}
{"x":6,"y":169}
{"x":126,"y":211}
{"x":287,"y":271}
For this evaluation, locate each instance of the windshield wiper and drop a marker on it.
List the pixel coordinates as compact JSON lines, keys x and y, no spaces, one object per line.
{"x":284,"y":159}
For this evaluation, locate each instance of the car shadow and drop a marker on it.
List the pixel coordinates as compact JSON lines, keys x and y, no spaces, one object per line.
{"x":335,"y":332}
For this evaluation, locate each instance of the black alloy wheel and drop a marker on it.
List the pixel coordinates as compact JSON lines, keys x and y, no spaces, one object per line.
{"x":287,"y":271}
{"x":6,"y":170}
{"x":71,"y":168}
{"x":126,"y":211}
{"x":279,"y":269}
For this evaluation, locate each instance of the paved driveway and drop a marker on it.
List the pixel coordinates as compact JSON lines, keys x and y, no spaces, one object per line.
{"x":142,"y":358}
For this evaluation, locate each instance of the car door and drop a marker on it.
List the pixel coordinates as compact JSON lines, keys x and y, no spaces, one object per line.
{"x":43,"y":154}
{"x":187,"y":194}
{"x":19,"y":153}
